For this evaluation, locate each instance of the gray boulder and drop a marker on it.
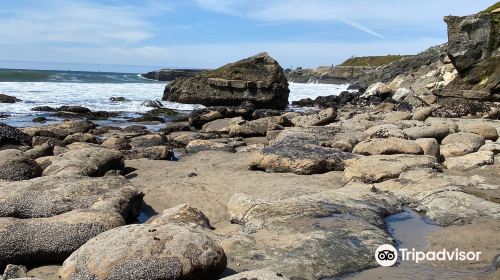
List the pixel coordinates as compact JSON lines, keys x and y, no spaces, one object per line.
{"x":16,"y":165}
{"x":258,"y":79}
{"x":12,"y":135}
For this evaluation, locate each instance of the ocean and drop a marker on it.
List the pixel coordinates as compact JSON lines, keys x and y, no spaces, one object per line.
{"x":94,"y":89}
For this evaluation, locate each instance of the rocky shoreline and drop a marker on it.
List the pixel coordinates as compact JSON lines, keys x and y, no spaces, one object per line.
{"x":246,"y":189}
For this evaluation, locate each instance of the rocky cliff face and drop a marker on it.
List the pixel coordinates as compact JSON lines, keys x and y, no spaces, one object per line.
{"x":473,"y":48}
{"x":171,"y":74}
{"x":327,"y":74}
{"x":404,"y":66}
{"x":258,"y":79}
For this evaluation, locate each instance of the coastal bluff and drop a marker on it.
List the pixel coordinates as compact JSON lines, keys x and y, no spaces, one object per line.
{"x":258,"y":79}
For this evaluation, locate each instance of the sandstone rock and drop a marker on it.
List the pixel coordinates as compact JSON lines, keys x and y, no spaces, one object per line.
{"x":395,"y":117}
{"x":82,"y":145}
{"x":228,"y":145}
{"x":183,"y":214}
{"x":87,"y":161}
{"x":401,"y":93}
{"x":272,"y":134}
{"x":12,"y":135}
{"x":223,"y":125}
{"x":300,"y":152}
{"x":386,"y":131}
{"x":259,"y":274}
{"x":430,"y":146}
{"x":60,"y":150}
{"x":257,"y":127}
{"x":470,"y":161}
{"x":15,"y":272}
{"x":462,"y":143}
{"x":440,"y":197}
{"x":438,"y":132}
{"x":452,"y":125}
{"x":153,"y":153}
{"x":492,"y":147}
{"x":80,"y":137}
{"x":487,"y":131}
{"x":15,"y":166}
{"x":176,"y":126}
{"x":422,"y":113}
{"x":323,"y":117}
{"x":182,"y":138}
{"x":383,"y":167}
{"x":40,"y":140}
{"x":387,"y":146}
{"x":44,"y":162}
{"x":53,"y":195}
{"x":53,"y":239}
{"x":116,"y":143}
{"x":147,"y":251}
{"x":59,"y":131}
{"x":147,"y":141}
{"x":377,"y":89}
{"x":258,"y":79}
{"x":43,"y":150}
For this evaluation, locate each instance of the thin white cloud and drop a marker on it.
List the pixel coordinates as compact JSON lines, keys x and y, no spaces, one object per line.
{"x":78,"y":22}
{"x":359,"y":14}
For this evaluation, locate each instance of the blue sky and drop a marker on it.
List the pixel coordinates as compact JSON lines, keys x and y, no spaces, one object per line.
{"x":210,"y":33}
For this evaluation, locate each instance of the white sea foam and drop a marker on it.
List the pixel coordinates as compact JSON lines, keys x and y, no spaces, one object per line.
{"x":95,"y":96}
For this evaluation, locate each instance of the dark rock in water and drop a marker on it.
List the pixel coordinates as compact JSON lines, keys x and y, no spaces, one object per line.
{"x":174,"y":127}
{"x":100,"y":115}
{"x":12,"y":135}
{"x":117,"y":99}
{"x":15,"y":166}
{"x":171,"y":74}
{"x":473,"y":47}
{"x":43,"y":109}
{"x":39,"y":119}
{"x":138,"y":129}
{"x":258,"y":79}
{"x":152,"y":104}
{"x":8,"y":99}
{"x":305,"y":102}
{"x":264,"y":113}
{"x":4,"y":116}
{"x":147,"y":118}
{"x":74,"y":109}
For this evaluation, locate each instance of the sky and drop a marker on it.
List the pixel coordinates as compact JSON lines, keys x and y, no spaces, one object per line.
{"x":147,"y":34}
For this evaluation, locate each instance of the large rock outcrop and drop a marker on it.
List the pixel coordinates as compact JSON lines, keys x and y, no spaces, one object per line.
{"x":473,"y":48}
{"x":258,"y":79}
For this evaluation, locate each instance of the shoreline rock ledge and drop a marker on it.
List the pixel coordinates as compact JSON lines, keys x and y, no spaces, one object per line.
{"x":258,"y":79}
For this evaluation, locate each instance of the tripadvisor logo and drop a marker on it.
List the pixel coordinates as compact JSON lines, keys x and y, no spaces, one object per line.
{"x":387,"y":255}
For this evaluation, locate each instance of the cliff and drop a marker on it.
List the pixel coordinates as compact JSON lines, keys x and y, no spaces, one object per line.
{"x":326,"y":74}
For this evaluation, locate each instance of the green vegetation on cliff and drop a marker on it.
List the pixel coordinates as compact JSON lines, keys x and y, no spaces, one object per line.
{"x":372,"y":61}
{"x":492,"y":8}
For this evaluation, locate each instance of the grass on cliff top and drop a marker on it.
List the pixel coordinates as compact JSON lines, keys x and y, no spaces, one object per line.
{"x":372,"y":61}
{"x":492,"y":8}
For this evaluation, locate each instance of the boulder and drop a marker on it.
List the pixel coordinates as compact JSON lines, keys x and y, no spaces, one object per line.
{"x":59,"y":131}
{"x":323,"y":117}
{"x":396,"y":117}
{"x":12,"y":135}
{"x":422,"y":113}
{"x":430,"y":146}
{"x":378,"y":168}
{"x":258,"y":79}
{"x":74,"y":109}
{"x":4,"y":98}
{"x":44,"y":162}
{"x":377,"y":89}
{"x":145,"y":141}
{"x":301,"y":152}
{"x":39,"y":119}
{"x":470,"y":161}
{"x":147,"y":251}
{"x":87,"y":161}
{"x":387,"y":146}
{"x":15,"y":272}
{"x":153,"y":153}
{"x":226,"y":144}
{"x":462,"y":143}
{"x":258,"y":127}
{"x":183,"y":214}
{"x":116,"y":143}
{"x":487,"y":131}
{"x":492,"y":147}
{"x":53,"y":239}
{"x":16,"y":165}
{"x":223,"y":126}
{"x":43,"y":150}
{"x":40,"y":140}
{"x":386,"y":131}
{"x":80,"y":137}
{"x":54,"y":195}
{"x":438,"y":132}
{"x":182,"y":138}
